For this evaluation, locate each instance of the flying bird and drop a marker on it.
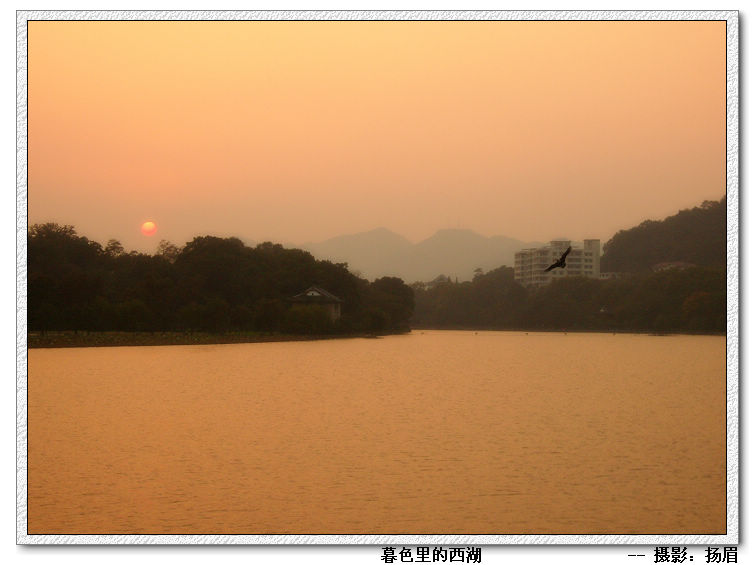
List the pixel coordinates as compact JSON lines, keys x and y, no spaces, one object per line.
{"x":561,"y":262}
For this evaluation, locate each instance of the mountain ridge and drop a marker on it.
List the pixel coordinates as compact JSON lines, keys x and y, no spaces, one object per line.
{"x":452,"y":252}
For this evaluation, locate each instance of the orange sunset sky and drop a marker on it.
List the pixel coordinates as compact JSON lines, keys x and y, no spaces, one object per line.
{"x":300,"y":131}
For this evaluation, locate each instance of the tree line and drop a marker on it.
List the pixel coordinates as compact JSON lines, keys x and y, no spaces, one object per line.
{"x":688,"y":300}
{"x":696,"y":236}
{"x":219,"y":285}
{"x":211,"y":284}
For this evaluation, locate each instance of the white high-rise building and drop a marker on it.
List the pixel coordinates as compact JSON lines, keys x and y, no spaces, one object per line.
{"x":530,"y":264}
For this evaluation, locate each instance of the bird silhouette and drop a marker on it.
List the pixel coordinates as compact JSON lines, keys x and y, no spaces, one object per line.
{"x":561,"y":262}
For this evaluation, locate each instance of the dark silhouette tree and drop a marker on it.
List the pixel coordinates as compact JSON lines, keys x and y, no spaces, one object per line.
{"x":696,"y":236}
{"x":211,"y":284}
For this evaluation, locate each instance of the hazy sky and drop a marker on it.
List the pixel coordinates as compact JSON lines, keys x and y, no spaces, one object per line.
{"x":300,"y":131}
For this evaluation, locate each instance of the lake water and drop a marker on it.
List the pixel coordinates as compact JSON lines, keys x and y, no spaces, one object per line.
{"x":436,"y":432}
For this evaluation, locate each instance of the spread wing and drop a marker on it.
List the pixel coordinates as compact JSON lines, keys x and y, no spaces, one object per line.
{"x":550,"y":268}
{"x":568,"y":250}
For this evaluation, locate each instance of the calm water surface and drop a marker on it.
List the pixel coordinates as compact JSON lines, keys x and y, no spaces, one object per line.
{"x":429,"y":433}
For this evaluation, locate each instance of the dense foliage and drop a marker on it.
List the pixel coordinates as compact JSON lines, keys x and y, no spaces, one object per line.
{"x":211,"y":284}
{"x":689,"y":300}
{"x":492,"y":300}
{"x":696,"y":236}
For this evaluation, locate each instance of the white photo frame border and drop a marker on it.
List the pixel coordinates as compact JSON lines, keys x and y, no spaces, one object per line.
{"x":732,"y":242}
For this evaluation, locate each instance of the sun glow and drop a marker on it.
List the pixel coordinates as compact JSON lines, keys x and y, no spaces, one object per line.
{"x":149,"y":228}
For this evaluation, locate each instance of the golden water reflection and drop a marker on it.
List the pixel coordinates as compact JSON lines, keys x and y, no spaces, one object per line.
{"x":437,"y":432}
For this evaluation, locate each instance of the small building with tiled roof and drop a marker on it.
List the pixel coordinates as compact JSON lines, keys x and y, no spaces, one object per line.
{"x":315,"y":295}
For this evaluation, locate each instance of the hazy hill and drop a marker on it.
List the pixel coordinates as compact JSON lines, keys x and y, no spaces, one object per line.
{"x":374,"y":253}
{"x":452,"y":252}
{"x":696,"y":236}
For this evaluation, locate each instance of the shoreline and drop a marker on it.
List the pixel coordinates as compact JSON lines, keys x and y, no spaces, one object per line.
{"x":571,"y":331}
{"x":63,"y":339}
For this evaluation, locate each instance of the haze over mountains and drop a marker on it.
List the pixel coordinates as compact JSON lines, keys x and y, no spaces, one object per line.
{"x":452,"y":252}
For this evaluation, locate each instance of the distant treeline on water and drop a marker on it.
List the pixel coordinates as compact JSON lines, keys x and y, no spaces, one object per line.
{"x":671,"y":278}
{"x":221,"y":285}
{"x":210,"y":285}
{"x":688,"y":300}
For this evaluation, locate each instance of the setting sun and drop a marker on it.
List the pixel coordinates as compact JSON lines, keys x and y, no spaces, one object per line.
{"x":149,"y":228}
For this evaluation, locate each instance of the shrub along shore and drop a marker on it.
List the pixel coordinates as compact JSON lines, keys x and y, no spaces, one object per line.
{"x":38,"y":340}
{"x":49,"y":340}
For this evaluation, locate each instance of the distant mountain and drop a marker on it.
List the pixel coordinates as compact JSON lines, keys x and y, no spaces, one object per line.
{"x":374,"y":253}
{"x":452,"y":252}
{"x":696,"y":236}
